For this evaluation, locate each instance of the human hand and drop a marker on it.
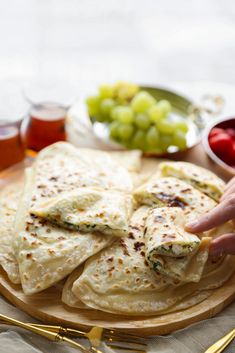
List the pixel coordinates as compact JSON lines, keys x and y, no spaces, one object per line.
{"x":223,"y":212}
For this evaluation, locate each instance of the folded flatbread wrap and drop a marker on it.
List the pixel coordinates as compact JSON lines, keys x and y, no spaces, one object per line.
{"x":172,"y":192}
{"x":46,"y":253}
{"x":165,"y":234}
{"x":182,"y":269}
{"x":202,"y":179}
{"x":70,"y":168}
{"x":89,"y":209}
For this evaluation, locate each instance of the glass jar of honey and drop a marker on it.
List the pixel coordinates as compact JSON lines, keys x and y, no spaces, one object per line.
{"x":44,"y":125}
{"x":11,"y":144}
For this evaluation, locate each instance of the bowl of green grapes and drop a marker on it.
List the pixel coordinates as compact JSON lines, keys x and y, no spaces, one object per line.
{"x":153,"y":120}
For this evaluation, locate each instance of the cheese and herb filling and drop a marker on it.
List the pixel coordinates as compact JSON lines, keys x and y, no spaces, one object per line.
{"x":183,"y":268}
{"x":165,"y":234}
{"x":202,"y":179}
{"x":89,"y":209}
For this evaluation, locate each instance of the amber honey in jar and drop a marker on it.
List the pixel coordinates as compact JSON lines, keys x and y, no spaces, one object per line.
{"x":45,"y":125}
{"x":11,"y":146}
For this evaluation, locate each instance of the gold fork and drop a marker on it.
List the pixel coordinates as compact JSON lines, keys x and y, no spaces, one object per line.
{"x":52,"y":336}
{"x":109,"y":336}
{"x":112,"y":337}
{"x":220,"y":345}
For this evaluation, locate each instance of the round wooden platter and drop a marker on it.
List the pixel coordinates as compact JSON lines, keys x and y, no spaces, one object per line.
{"x":48,"y":307}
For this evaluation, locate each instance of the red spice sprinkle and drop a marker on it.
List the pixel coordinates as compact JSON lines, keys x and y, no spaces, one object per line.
{"x":142,"y":253}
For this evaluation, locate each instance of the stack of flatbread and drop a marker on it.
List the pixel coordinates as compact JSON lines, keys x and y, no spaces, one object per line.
{"x":92,"y":216}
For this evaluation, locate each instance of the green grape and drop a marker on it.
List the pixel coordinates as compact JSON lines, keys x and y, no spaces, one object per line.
{"x":142,"y":101}
{"x":93,"y":105}
{"x":179,"y":140}
{"x":106,"y":91}
{"x":138,"y":140}
{"x":113,"y":130}
{"x":165,"y":126}
{"x":125,"y":131}
{"x":182,"y":125}
{"x":106,"y":107}
{"x":142,"y":121}
{"x":124,"y":91}
{"x":115,"y":112}
{"x":152,"y":137}
{"x":155,"y":113}
{"x":165,"y":142}
{"x":165,"y":106}
{"x":125,"y":115}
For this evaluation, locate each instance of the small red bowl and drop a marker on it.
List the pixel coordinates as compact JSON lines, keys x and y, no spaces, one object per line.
{"x":222,"y":168}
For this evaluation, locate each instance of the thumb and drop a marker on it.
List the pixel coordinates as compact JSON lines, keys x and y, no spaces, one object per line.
{"x":225,"y":244}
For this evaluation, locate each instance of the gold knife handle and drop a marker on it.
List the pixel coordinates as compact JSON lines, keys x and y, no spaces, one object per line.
{"x":220,"y":345}
{"x":52,"y":336}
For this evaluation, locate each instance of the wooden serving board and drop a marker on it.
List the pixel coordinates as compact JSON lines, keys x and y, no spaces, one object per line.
{"x":47,"y":306}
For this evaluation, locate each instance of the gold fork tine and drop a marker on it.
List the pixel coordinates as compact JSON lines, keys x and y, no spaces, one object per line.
{"x":131,"y":341}
{"x":122,"y":334}
{"x":52,"y":336}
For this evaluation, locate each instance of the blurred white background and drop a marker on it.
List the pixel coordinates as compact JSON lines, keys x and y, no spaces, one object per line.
{"x":91,"y":41}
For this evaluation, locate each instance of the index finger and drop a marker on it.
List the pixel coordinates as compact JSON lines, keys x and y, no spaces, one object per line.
{"x":222,"y":213}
